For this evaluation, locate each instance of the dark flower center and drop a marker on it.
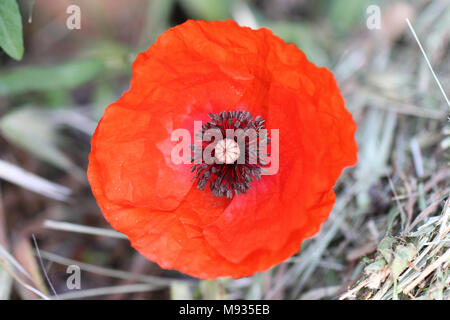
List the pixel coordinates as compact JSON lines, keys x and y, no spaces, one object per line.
{"x":229,"y":152}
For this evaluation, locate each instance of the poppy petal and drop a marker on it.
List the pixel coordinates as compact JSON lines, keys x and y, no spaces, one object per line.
{"x":199,"y":68}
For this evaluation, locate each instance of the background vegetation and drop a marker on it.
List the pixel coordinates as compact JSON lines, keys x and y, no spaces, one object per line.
{"x":388,"y":235}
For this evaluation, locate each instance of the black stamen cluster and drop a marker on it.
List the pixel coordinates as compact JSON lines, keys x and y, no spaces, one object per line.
{"x":235,"y":178}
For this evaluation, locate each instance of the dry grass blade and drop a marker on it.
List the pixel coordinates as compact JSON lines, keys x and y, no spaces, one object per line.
{"x":430,"y":209}
{"x":32,"y":130}
{"x":319,"y":293}
{"x":6,"y":256}
{"x":22,"y":283}
{"x":443,"y":259}
{"x":44,"y":271}
{"x":75,"y":119}
{"x":428,"y":268}
{"x":108,"y":272}
{"x":72,"y":227}
{"x":5,"y":279}
{"x":130,"y":288}
{"x":10,"y":265}
{"x":428,"y":62}
{"x":30,"y":181}
{"x":6,"y":282}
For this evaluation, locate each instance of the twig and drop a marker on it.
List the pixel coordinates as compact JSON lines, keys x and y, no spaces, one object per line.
{"x":430,"y":209}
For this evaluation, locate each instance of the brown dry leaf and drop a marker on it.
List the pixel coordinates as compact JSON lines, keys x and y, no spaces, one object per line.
{"x":376,"y":279}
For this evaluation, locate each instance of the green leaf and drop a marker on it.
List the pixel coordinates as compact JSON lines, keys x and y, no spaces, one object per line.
{"x":157,"y":21}
{"x":69,"y":75}
{"x":207,"y":9}
{"x":349,"y":15}
{"x":375,"y":267}
{"x":303,"y":36}
{"x":385,"y":248}
{"x":403,"y":255}
{"x":11,"y":39}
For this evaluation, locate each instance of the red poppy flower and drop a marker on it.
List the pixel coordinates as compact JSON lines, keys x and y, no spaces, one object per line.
{"x":221,"y":221}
